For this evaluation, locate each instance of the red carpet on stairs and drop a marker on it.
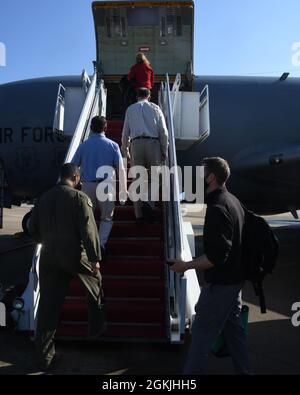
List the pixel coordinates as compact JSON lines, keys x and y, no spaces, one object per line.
{"x":134,"y":280}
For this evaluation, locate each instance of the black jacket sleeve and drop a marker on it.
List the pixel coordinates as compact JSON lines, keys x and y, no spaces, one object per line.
{"x":218,"y":235}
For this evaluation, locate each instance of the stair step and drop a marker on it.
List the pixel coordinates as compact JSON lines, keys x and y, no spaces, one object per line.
{"x":134,"y":289}
{"x":134,"y":230}
{"x":115,"y":128}
{"x":126,"y":213}
{"x":153,"y":248}
{"x":79,"y":330}
{"x":114,"y":188}
{"x":124,"y":288}
{"x":133,"y":267}
{"x":133,"y":278}
{"x":146,"y":312}
{"x":115,"y":135}
{"x":115,"y":123}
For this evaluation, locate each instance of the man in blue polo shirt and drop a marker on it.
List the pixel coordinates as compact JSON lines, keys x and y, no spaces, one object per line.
{"x":100,"y":152}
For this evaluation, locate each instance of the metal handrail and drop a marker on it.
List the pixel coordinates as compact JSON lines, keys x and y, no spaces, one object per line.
{"x":93,"y":112}
{"x":86,"y":82}
{"x":174,"y":182}
{"x":83,"y":119}
{"x":174,"y":226}
{"x":103,"y":98}
{"x":60,"y":100}
{"x":175,"y":90}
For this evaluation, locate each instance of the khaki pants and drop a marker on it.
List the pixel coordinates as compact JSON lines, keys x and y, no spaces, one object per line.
{"x":107,"y":211}
{"x":147,"y":153}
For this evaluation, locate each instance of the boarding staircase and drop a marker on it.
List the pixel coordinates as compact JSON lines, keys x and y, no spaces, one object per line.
{"x":145,"y":300}
{"x":134,"y":278}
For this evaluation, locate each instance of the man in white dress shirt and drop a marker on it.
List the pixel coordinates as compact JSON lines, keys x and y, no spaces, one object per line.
{"x":145,"y":140}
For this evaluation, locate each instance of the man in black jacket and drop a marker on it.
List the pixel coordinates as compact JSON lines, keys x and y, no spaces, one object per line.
{"x":219,"y":305}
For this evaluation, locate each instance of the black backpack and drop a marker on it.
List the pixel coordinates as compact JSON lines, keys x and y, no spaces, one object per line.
{"x":260,"y":253}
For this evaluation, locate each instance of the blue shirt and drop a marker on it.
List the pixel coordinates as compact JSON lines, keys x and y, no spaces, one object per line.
{"x":95,"y":152}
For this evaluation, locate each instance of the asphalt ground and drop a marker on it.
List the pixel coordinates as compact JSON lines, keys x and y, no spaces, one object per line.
{"x":274,"y":343}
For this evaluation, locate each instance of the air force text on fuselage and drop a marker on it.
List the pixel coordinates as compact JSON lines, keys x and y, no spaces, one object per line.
{"x":29,"y":134}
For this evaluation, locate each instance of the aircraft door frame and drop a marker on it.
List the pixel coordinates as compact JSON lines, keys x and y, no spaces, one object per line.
{"x":204,"y":115}
{"x":59,"y":115}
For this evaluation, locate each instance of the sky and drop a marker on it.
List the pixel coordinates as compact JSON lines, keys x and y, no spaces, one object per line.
{"x":40,"y":38}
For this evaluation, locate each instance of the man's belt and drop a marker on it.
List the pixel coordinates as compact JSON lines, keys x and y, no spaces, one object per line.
{"x":145,"y":138}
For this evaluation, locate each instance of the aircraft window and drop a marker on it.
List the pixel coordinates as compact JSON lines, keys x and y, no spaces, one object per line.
{"x":115,"y":26}
{"x":170,"y":24}
{"x":123,"y":26}
{"x":143,"y":16}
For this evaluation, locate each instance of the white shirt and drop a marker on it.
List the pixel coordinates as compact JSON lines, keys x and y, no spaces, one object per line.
{"x":145,"y":119}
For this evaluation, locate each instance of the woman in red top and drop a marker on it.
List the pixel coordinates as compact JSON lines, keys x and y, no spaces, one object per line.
{"x":142,"y":73}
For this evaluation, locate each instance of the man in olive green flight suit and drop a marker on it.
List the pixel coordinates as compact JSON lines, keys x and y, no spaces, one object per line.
{"x":63,"y":222}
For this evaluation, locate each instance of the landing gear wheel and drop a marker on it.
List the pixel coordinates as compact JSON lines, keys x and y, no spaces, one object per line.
{"x":25,"y":223}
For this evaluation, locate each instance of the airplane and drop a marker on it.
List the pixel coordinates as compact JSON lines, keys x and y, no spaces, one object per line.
{"x":250,"y":121}
{"x":254,"y":121}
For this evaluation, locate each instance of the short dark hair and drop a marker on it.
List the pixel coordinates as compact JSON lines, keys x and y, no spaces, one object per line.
{"x":98,"y":124}
{"x":68,"y":171}
{"x":219,"y":167}
{"x":143,"y":93}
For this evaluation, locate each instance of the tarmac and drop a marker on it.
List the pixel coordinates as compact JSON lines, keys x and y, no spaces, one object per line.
{"x":274,"y":343}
